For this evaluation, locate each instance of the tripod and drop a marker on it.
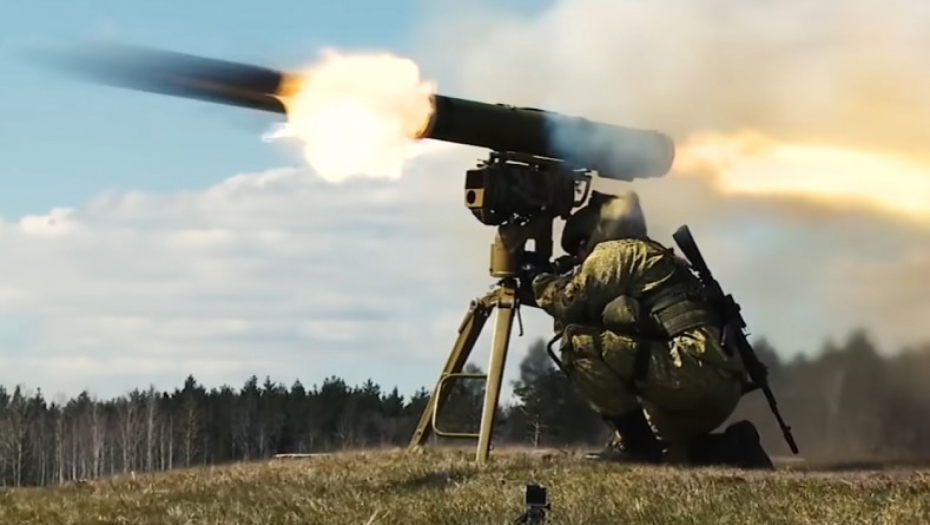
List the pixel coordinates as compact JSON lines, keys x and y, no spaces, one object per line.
{"x":506,"y":253}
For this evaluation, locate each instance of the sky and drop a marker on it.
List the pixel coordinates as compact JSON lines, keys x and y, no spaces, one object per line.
{"x":76,"y":139}
{"x":145,"y":238}
{"x":110,"y":319}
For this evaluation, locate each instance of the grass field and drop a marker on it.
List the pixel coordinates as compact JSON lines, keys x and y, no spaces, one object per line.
{"x":444,"y":487}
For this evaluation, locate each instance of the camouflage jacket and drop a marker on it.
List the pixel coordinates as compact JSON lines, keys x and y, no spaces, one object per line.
{"x":628,"y":267}
{"x":625,"y":268}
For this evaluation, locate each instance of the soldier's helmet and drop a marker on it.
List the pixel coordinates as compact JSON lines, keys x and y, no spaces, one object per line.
{"x":605,"y":217}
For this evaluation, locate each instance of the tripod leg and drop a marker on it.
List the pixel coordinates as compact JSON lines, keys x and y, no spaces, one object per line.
{"x":506,"y":303}
{"x":469,"y":331}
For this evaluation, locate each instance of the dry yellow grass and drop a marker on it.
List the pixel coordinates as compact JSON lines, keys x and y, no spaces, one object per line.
{"x":443,"y":487}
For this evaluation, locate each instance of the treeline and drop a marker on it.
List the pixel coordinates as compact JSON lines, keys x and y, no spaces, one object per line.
{"x":849,"y":401}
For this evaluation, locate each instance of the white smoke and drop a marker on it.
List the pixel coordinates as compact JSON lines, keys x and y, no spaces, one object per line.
{"x":846,"y":75}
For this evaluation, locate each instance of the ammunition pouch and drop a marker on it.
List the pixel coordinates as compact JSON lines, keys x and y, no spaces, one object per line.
{"x":677,"y":309}
{"x":637,"y":382}
{"x":622,"y":315}
{"x":572,"y":330}
{"x":567,"y":348}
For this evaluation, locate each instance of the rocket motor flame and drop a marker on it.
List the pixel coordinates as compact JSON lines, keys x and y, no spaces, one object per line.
{"x":356,"y":114}
{"x":830,"y":176}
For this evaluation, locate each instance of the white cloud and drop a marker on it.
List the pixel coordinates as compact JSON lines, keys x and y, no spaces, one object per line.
{"x":56,"y":223}
{"x":280,"y":273}
{"x":271,"y":273}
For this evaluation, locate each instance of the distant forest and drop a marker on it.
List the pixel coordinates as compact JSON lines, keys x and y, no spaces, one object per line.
{"x":849,"y":402}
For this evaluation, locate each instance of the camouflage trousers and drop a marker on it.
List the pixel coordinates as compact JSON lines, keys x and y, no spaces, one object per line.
{"x":690,"y":387}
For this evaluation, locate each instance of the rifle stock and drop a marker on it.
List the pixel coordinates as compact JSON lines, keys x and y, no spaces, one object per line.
{"x":734,"y":335}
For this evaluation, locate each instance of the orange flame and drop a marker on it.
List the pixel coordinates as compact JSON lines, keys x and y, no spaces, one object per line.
{"x":750,"y":163}
{"x":357,"y":114}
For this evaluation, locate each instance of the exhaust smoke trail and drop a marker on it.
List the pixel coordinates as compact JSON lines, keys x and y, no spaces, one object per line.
{"x":830,"y":176}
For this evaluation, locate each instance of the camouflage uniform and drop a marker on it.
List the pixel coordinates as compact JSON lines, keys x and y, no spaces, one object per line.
{"x":631,"y":299}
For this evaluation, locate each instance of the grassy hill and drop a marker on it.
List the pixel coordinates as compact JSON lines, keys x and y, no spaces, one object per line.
{"x":442,"y":487}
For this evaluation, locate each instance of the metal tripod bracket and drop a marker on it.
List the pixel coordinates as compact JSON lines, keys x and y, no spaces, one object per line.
{"x":442,"y":381}
{"x":504,"y":298}
{"x":507,"y":251}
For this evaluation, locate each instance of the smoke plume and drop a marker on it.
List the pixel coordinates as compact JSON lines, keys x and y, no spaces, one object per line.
{"x":801,"y":128}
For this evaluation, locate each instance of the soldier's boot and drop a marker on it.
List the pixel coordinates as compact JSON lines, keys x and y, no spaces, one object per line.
{"x":738,"y":446}
{"x":638,"y":444}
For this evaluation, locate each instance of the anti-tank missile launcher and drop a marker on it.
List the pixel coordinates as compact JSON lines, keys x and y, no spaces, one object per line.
{"x":613,"y":151}
{"x":539,"y":162}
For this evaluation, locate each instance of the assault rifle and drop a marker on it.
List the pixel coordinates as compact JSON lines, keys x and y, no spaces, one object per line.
{"x":733,"y":328}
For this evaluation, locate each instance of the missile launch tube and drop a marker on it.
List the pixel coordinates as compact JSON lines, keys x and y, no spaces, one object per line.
{"x":614,"y":151}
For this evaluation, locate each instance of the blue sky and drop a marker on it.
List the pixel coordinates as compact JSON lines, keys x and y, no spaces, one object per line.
{"x":64,"y":141}
{"x":170,"y":263}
